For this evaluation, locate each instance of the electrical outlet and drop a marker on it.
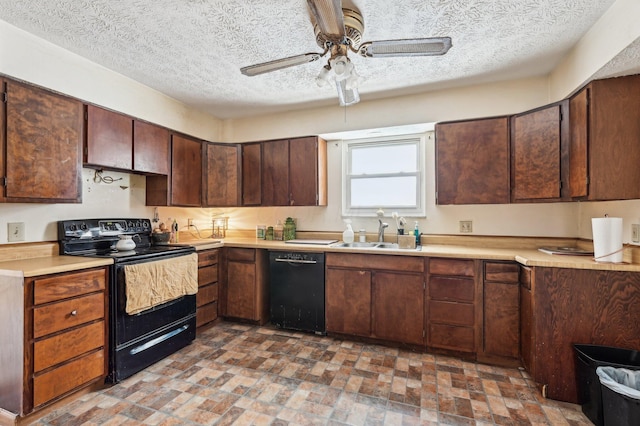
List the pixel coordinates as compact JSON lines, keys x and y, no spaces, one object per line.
{"x":635,"y":233}
{"x":15,"y":232}
{"x":466,"y":226}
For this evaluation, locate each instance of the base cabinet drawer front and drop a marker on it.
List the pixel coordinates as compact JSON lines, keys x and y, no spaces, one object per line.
{"x":68,"y":313}
{"x":70,"y":344}
{"x":50,"y":289}
{"x":456,"y":267}
{"x":451,"y":313}
{"x":206,"y":313}
{"x":377,"y":262}
{"x":207,"y":294}
{"x":452,"y":289}
{"x":207,"y":257}
{"x":67,"y":377}
{"x":451,"y":337}
{"x":207,"y":275}
{"x":241,"y":254}
{"x":501,"y":272}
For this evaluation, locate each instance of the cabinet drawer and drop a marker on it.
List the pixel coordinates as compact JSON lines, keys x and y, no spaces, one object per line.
{"x":451,"y":337}
{"x":67,"y":377}
{"x":206,"y":313}
{"x":207,"y":275}
{"x":457,"y":267}
{"x":501,"y":272}
{"x":451,"y":289}
{"x":59,"y":287}
{"x":451,"y":313}
{"x":207,"y":257}
{"x":207,"y":294}
{"x":56,"y":349}
{"x":375,"y":261}
{"x":241,"y":254}
{"x":69,"y":313}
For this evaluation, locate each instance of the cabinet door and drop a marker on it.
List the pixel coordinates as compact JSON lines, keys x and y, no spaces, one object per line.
{"x":186,"y":172}
{"x":43,"y":146}
{"x":241,"y":290}
{"x":109,"y":139}
{"x":348,"y":301}
{"x":251,"y":174}
{"x":472,"y":162}
{"x":221,"y":175}
{"x":275,"y":173}
{"x":304,"y":182}
{"x":151,"y":148}
{"x":501,"y":319}
{"x":527,"y":338}
{"x":398,"y":307}
{"x":578,"y":147}
{"x":536,"y":154}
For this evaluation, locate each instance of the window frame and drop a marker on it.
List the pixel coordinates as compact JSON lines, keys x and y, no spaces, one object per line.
{"x":419,"y":210}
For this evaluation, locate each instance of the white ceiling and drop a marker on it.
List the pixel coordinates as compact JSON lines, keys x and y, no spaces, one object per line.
{"x":192,"y":50}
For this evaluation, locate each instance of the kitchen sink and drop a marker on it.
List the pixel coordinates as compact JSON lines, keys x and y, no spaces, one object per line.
{"x":372,"y":245}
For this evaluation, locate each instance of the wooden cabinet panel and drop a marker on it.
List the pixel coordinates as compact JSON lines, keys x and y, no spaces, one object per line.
{"x":455,"y":267}
{"x":578,"y":146}
{"x":57,"y":287}
{"x":251,"y":174}
{"x":447,"y":336}
{"x":151,"y":148}
{"x":275,"y":173}
{"x":241,"y":254}
{"x":305,"y":172}
{"x":206,"y":313}
{"x":67,"y":377}
{"x":207,"y":275}
{"x":536,"y":152}
{"x":208,"y":257}
{"x":398,"y":307}
{"x":109,"y":139}
{"x":442,"y":311}
{"x":68,"y":313}
{"x":244,"y":292}
{"x":241,"y":295}
{"x":70,"y":344}
{"x":377,"y":261}
{"x":43,"y":151}
{"x":527,"y":338}
{"x":451,"y":289}
{"x":472,"y":162}
{"x":221,"y":175}
{"x":501,"y":319}
{"x":208,"y":287}
{"x":186,"y":172}
{"x":501,"y":272}
{"x":348,"y":301}
{"x":207,"y":294}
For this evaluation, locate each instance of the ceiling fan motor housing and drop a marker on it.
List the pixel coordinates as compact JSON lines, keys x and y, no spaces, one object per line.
{"x":353,"y":26}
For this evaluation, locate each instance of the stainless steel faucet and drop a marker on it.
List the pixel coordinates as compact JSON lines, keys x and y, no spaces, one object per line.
{"x":381,"y":227}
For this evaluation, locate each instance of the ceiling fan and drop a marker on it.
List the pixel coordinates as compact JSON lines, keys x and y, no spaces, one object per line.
{"x":339,"y":30}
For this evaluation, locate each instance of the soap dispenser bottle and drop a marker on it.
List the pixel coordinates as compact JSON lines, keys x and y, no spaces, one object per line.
{"x":347,"y":235}
{"x":416,"y":233}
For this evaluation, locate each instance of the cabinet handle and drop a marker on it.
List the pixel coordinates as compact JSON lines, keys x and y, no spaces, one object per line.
{"x":74,"y":313}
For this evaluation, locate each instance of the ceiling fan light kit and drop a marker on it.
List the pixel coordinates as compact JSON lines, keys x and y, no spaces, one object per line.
{"x":339,"y":30}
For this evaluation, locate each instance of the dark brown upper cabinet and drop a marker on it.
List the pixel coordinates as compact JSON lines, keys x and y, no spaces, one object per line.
{"x":605,"y":140}
{"x":41,"y":151}
{"x":109,"y":141}
{"x":539,"y":154}
{"x":186,"y":172}
{"x":472,"y":161}
{"x":294,"y":172}
{"x":221,"y":177}
{"x":119,"y":142}
{"x":151,"y":148}
{"x":251,"y":174}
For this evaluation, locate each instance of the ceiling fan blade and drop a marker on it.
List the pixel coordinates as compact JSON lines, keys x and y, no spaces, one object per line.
{"x":329,"y":18}
{"x":409,"y":47}
{"x":279,"y":64}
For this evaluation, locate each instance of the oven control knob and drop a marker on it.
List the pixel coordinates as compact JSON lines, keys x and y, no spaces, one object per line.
{"x":83,"y":226}
{"x":72,"y":227}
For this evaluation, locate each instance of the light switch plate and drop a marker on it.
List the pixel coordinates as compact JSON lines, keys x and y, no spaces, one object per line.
{"x":15,"y":232}
{"x":635,"y":233}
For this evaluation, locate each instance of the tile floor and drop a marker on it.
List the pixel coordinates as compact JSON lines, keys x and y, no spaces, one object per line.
{"x":236,"y":374}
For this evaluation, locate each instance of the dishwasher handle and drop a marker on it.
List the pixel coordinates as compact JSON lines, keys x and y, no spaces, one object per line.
{"x":309,"y":262}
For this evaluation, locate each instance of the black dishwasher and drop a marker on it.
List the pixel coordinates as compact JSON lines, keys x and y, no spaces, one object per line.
{"x":297,"y":290}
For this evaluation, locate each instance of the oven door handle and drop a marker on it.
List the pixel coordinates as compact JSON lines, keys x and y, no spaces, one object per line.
{"x":157,"y":340}
{"x":308,"y":262}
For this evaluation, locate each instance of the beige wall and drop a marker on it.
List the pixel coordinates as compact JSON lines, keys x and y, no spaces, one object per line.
{"x":29,"y":58}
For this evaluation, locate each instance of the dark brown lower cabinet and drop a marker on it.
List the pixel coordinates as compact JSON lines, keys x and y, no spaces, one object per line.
{"x":208,"y":287}
{"x":568,"y":306}
{"x":245,"y":284}
{"x":501,"y":308}
{"x":375,"y":296}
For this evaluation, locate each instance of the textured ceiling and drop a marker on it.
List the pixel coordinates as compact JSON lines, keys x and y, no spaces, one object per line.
{"x":192,"y":50}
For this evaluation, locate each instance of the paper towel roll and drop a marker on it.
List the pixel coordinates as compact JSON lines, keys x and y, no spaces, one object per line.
{"x":607,"y":239}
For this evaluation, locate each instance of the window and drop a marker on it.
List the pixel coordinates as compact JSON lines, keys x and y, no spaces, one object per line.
{"x":385,"y":173}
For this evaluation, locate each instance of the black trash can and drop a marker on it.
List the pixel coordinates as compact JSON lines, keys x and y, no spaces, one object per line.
{"x":590,"y":357}
{"x":620,"y":396}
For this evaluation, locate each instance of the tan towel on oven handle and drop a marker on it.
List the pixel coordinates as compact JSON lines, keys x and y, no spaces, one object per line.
{"x":152,"y":283}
